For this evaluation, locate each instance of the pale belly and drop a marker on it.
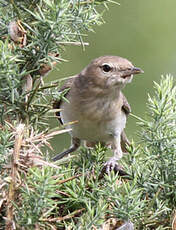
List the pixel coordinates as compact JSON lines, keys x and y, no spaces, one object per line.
{"x":92,"y":130}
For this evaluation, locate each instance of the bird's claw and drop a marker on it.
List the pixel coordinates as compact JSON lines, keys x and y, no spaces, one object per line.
{"x":112,"y":165}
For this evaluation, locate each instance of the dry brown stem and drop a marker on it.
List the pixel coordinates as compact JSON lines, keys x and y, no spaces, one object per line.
{"x":174,"y":221}
{"x":68,"y":179}
{"x":10,"y":225}
{"x":69,"y":216}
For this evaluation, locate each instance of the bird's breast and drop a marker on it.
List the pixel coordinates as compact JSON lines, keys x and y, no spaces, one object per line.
{"x":96,"y":120}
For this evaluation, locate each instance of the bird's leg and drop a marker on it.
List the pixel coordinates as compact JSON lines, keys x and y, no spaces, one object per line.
{"x":75,"y":145}
{"x":116,"y":146}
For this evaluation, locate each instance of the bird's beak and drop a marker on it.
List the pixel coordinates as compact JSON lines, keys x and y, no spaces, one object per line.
{"x":136,"y":70}
{"x":129,"y":72}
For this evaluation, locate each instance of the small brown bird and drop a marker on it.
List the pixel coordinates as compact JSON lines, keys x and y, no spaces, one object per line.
{"x":98,"y":106}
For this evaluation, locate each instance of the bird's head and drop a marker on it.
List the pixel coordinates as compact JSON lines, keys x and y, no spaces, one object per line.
{"x":110,"y":71}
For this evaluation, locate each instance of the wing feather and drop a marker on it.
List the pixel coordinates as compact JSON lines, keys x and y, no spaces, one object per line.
{"x":126,"y":107}
{"x":66,"y":86}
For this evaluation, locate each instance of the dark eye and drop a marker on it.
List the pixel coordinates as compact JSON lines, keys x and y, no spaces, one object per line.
{"x":106,"y":68}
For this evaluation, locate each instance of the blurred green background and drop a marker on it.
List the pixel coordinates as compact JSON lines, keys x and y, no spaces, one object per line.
{"x":143,"y":31}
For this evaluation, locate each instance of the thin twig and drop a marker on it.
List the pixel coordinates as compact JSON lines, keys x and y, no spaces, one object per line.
{"x":69,"y":216}
{"x":73,"y":43}
{"x":68,"y":179}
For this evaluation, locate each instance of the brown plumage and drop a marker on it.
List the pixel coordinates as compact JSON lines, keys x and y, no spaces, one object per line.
{"x":125,"y":107}
{"x":98,"y":105}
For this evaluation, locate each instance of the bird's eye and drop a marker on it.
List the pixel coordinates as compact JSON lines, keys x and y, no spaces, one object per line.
{"x":106,"y":68}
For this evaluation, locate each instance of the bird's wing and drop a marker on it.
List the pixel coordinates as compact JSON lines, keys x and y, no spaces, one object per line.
{"x":66,"y":86}
{"x":124,"y":140}
{"x":126,"y":107}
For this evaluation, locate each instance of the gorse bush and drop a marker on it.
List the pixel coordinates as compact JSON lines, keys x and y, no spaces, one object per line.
{"x":33,"y":36}
{"x":73,"y":193}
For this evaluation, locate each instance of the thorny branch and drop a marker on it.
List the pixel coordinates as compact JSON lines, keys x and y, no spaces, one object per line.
{"x":10,"y":225}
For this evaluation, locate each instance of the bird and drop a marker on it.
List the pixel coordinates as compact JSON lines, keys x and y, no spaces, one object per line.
{"x":96,"y":110}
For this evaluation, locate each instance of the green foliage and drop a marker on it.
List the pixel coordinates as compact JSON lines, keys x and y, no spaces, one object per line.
{"x":149,"y":198}
{"x":9,"y":79}
{"x":153,"y":163}
{"x":73,"y":194}
{"x":159,"y":135}
{"x":36,"y":197}
{"x":6,"y":144}
{"x":49,"y":24}
{"x":33,"y":35}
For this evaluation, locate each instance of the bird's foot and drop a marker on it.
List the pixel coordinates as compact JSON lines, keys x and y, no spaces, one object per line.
{"x":112,"y":165}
